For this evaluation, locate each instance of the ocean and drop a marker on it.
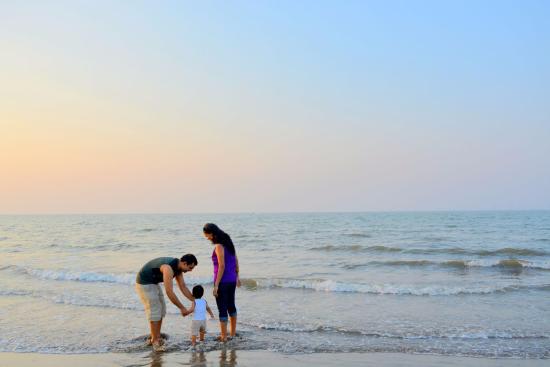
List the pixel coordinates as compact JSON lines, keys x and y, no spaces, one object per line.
{"x":445,"y":283}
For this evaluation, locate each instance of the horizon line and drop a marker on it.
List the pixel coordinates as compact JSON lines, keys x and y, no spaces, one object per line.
{"x":282,"y":212}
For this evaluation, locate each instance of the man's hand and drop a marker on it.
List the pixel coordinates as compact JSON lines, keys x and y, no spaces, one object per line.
{"x":238,"y":282}
{"x":185,"y":312}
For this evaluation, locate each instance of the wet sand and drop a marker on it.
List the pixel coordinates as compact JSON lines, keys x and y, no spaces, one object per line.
{"x":231,"y":357}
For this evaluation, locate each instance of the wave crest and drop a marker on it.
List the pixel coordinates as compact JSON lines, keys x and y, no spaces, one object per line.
{"x":387,"y":289}
{"x":507,"y":264}
{"x":90,"y":277}
{"x":507,"y":251}
{"x":466,"y":334}
{"x":319,"y":285}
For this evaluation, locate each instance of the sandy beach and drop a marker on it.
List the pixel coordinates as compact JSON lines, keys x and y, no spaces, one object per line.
{"x":252,"y":358}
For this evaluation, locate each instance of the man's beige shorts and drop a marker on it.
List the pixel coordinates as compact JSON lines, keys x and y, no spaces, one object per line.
{"x":152,"y":298}
{"x":198,"y":326}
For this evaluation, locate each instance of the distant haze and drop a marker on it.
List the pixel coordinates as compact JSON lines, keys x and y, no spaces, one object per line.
{"x":253,"y":106}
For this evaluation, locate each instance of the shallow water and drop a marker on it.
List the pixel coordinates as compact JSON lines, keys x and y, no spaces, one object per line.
{"x":454,"y":283}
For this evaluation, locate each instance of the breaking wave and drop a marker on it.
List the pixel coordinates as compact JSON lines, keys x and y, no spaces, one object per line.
{"x":507,"y":251}
{"x":465,"y":334}
{"x":319,"y":285}
{"x":508,"y":264}
{"x":384,"y":289}
{"x":91,"y":277}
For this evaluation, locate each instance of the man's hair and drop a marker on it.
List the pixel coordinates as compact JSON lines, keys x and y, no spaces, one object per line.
{"x":198,"y":291}
{"x":189,"y":259}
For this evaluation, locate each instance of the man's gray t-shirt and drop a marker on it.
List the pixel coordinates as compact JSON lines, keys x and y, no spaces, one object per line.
{"x":150,"y":272}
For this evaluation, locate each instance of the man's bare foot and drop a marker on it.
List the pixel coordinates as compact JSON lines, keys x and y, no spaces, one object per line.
{"x":158,"y":347}
{"x":150,"y":341}
{"x":221,"y":339}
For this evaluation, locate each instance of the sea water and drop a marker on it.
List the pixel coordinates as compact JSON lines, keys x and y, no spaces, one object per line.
{"x":451,"y":283}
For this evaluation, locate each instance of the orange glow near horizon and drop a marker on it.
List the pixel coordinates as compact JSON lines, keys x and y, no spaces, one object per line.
{"x":201,"y":108}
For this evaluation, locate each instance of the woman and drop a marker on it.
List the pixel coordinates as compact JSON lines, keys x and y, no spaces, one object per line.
{"x":226,"y":277}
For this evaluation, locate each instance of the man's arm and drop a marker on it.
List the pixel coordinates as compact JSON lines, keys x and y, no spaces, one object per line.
{"x":183,"y":288}
{"x":167,"y":275}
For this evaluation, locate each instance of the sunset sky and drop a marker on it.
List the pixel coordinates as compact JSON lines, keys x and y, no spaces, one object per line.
{"x":267,"y":106}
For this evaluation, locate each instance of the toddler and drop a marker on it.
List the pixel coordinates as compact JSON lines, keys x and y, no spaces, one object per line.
{"x":199,"y":308}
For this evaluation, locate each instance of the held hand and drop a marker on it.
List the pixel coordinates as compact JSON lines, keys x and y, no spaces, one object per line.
{"x":215,"y":291}
{"x":238,"y":282}
{"x":184,"y":312}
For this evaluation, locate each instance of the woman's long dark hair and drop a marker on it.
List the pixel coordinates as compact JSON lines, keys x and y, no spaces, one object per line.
{"x":219,"y":236}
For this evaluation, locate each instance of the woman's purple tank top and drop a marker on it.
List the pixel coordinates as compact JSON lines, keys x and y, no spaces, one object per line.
{"x":230,"y":272}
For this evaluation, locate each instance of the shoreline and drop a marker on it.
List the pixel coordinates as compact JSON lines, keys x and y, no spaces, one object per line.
{"x":233,"y":357}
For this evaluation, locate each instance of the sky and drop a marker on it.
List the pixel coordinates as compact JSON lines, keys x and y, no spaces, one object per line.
{"x":273,"y":106}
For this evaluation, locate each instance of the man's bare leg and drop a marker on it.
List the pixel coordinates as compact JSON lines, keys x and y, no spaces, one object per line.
{"x":160,"y":334}
{"x":155,"y":331}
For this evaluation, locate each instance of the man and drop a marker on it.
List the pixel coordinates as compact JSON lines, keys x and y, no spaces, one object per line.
{"x":163,"y":270}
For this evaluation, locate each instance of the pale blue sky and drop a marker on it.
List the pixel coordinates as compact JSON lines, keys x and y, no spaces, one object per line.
{"x":141,"y":106}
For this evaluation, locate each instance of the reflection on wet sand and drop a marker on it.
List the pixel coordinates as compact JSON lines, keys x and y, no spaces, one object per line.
{"x":156,"y":359}
{"x":198,"y":359}
{"x":227,"y":358}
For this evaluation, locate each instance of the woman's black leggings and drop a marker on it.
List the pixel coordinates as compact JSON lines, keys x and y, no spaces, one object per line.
{"x":226,"y":300}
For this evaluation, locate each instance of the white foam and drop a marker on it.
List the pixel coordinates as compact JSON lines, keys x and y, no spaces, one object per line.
{"x":537,"y":264}
{"x":9,"y":292}
{"x":96,"y":302}
{"x":93,"y":277}
{"x":390,"y":289}
{"x":316,"y":285}
{"x":422,"y":334}
{"x":82,"y":276}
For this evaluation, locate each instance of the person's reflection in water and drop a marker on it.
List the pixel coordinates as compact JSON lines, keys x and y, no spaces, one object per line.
{"x":156,"y":359}
{"x":228,"y":361}
{"x":198,"y":359}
